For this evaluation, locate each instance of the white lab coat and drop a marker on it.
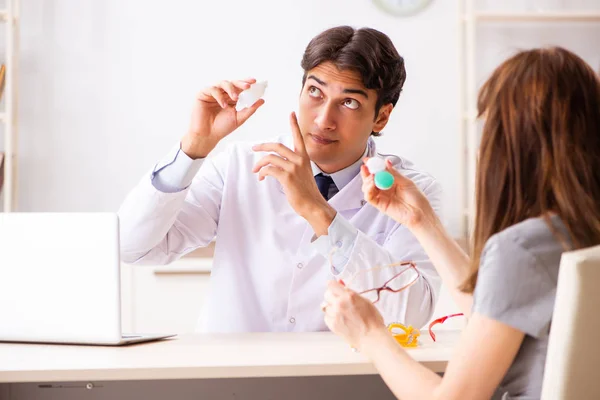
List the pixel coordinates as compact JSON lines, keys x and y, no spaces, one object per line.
{"x":267,"y":274}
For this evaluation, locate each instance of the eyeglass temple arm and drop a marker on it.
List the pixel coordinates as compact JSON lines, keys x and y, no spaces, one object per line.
{"x":440,"y":321}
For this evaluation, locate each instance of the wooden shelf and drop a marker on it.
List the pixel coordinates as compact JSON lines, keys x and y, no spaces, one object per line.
{"x":9,"y":14}
{"x":187,"y":265}
{"x":575,"y":16}
{"x":469,"y":19}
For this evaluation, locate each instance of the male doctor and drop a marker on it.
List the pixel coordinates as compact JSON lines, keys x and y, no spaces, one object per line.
{"x":280,"y":211}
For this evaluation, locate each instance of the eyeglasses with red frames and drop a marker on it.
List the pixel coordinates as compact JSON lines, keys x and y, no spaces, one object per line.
{"x":407,"y":276}
{"x":441,"y":321}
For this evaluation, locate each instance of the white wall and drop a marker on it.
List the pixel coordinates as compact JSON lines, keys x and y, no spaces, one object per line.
{"x":107,"y":85}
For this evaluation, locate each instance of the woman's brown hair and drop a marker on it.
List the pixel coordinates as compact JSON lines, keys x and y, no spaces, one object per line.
{"x":540,"y":148}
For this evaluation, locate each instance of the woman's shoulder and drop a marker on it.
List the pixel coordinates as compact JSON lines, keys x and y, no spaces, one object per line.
{"x":533,"y":235}
{"x":529,"y":250}
{"x":517,"y":276}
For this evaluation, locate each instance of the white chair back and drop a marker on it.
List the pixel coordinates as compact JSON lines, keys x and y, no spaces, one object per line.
{"x":573,"y":363}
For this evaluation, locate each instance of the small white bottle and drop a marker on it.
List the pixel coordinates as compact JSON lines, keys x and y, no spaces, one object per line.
{"x":251,"y":95}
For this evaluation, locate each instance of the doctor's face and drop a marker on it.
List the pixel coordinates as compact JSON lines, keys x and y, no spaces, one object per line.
{"x":337,"y":115}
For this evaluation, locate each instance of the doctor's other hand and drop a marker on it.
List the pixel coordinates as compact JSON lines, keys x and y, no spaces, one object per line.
{"x":403,"y":202}
{"x":214,"y":116}
{"x":351,"y":316}
{"x":293,"y":171}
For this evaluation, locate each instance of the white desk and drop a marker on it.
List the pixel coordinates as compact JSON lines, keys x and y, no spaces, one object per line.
{"x":199,"y":357}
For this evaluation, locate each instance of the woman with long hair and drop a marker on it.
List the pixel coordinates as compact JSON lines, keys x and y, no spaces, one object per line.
{"x":537,"y":195}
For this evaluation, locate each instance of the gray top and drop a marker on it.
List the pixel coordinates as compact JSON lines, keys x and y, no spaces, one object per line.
{"x":516,"y":285}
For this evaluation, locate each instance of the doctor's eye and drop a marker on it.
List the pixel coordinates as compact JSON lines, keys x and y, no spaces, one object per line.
{"x":314,"y":92}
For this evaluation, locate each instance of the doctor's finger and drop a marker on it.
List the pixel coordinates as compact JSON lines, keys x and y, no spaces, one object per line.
{"x":280,"y":149}
{"x":272,"y":159}
{"x":243,"y":115}
{"x":244,"y":83}
{"x":299,"y":146}
{"x":270,"y":170}
{"x":231,"y":90}
{"x":219,"y":95}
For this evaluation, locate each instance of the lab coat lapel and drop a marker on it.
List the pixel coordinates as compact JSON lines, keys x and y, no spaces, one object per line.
{"x":351,"y":196}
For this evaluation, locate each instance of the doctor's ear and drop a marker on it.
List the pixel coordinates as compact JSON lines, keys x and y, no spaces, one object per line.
{"x":382,"y":118}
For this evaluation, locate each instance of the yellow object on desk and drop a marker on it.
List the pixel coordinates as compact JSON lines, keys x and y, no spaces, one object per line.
{"x":408,"y":337}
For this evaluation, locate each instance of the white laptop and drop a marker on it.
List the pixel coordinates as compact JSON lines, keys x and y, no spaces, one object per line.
{"x":60,"y":279}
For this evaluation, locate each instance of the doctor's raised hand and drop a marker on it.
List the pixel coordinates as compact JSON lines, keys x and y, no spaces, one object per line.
{"x":214,"y":116}
{"x":293,"y":171}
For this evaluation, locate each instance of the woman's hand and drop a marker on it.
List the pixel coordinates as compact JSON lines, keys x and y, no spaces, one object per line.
{"x":403,"y":202}
{"x":350,"y":315}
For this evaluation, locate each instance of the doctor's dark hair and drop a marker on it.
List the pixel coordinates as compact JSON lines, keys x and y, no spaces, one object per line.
{"x":365,"y":51}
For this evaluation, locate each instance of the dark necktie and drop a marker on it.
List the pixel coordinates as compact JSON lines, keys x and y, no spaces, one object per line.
{"x":323,"y":183}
